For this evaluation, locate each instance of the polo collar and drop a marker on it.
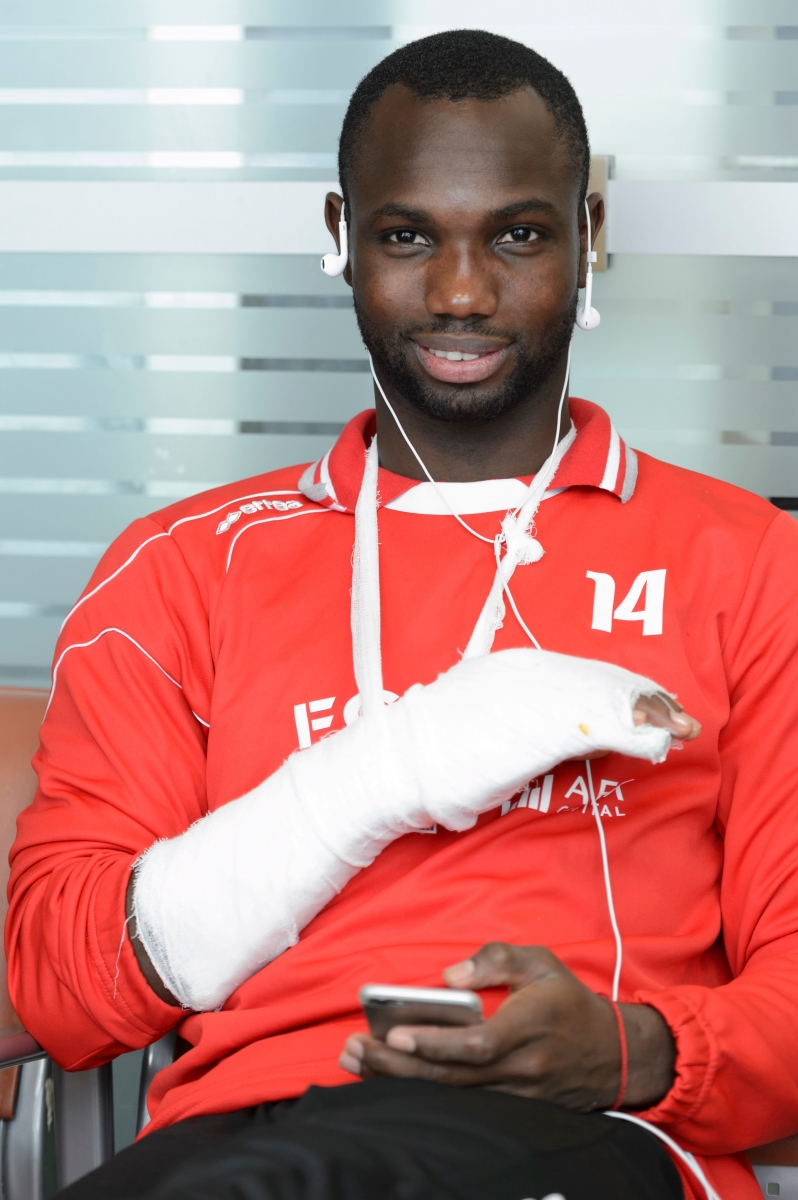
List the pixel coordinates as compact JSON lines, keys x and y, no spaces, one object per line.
{"x":598,"y":458}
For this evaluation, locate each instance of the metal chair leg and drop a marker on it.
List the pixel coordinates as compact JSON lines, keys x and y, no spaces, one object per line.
{"x":157,"y":1056}
{"x":84,"y":1123}
{"x":23,"y":1138}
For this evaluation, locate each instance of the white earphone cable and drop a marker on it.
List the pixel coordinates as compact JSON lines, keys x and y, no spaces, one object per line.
{"x":687,"y":1158}
{"x":605,"y":865}
{"x":509,"y":594}
{"x":547,"y":467}
{"x":536,"y":489}
{"x":497,"y":542}
{"x":421,"y":462}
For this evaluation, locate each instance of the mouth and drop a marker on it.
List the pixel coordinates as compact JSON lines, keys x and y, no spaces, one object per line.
{"x":455,"y":358}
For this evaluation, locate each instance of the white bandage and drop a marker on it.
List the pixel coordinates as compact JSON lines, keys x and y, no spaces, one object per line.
{"x":220,"y":901}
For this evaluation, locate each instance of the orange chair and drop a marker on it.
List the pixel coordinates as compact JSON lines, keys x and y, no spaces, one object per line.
{"x":37,"y":1099}
{"x":33,"y":1092}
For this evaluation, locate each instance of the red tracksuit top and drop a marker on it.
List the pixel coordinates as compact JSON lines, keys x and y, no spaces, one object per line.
{"x":214,"y":640}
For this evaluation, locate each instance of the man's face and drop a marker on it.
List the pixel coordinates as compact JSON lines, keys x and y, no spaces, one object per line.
{"x":464,"y":250}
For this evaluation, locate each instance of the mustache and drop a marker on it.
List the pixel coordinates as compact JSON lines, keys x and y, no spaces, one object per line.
{"x":476,"y":325}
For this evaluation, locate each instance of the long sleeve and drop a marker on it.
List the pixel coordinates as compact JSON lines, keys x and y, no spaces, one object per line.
{"x":121,"y":763}
{"x":737,"y":1052}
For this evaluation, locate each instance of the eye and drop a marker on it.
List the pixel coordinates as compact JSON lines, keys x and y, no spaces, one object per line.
{"x":407,"y":237}
{"x":520,"y":235}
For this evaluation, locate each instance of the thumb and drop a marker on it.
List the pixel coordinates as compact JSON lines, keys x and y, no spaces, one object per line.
{"x":460,"y":975}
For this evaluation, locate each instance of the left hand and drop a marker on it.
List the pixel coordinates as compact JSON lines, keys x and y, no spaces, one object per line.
{"x":552,"y":1038}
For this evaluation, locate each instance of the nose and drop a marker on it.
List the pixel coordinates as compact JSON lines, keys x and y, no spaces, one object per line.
{"x":460,"y":284}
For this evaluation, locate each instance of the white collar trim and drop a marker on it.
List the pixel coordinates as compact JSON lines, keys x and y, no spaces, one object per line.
{"x":483,"y":496}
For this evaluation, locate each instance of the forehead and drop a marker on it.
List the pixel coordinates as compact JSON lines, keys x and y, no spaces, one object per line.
{"x":469,"y":152}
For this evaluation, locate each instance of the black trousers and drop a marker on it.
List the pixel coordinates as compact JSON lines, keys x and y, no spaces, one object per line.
{"x":391,"y":1139}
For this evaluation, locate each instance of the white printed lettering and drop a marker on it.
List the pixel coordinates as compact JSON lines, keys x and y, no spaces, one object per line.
{"x":610,"y":785}
{"x":578,"y":788}
{"x":545,"y":794}
{"x":302,"y":725}
{"x":256,"y":506}
{"x":603,"y":600}
{"x":652,"y":582}
{"x":533,"y":796}
{"x":651,"y":614}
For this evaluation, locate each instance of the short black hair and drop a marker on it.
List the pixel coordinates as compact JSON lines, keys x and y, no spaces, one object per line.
{"x":467,"y":64}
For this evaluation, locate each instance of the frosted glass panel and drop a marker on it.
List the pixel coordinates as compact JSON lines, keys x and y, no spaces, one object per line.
{"x":128,"y":381}
{"x":696,"y":361}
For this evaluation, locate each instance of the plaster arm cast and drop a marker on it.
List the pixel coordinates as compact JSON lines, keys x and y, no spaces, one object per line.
{"x":233,"y":892}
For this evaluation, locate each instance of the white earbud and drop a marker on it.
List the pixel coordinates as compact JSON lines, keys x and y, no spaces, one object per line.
{"x":335,"y":264}
{"x":587,"y":317}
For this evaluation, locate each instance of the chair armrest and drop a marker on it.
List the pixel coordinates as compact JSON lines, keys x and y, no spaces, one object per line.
{"x":17,"y":1046}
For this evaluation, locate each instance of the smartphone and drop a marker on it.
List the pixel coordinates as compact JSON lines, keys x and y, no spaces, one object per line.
{"x":386,"y":1005}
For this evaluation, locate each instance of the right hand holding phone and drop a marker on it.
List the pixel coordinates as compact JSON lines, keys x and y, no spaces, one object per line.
{"x":552,"y":1039}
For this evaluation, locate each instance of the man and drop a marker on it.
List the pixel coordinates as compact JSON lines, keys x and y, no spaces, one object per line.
{"x":466,"y":830}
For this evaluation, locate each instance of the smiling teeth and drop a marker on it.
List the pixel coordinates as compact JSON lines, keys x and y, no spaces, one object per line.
{"x":454,"y":355}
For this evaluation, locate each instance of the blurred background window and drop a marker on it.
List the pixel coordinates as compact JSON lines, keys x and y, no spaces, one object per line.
{"x":132,"y":377}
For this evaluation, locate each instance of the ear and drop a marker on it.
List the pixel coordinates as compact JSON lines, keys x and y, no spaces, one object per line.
{"x":595,"y":203}
{"x":333,"y":206}
{"x":332,"y":214}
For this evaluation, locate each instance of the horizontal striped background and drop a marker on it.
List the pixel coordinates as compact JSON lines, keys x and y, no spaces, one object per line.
{"x":129,"y":380}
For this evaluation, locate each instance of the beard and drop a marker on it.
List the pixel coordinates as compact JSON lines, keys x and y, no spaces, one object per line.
{"x":398,"y":365}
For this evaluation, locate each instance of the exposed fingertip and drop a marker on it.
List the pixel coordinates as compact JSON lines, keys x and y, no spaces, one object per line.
{"x":400,"y":1039}
{"x":460,"y":974}
{"x":354,"y":1047}
{"x":350,"y":1064}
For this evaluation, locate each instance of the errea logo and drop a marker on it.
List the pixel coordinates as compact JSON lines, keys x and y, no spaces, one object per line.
{"x":256,"y":506}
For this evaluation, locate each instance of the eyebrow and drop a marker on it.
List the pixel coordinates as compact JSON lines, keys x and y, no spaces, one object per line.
{"x":416,"y":217}
{"x":522,"y":206}
{"x":413,"y":215}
